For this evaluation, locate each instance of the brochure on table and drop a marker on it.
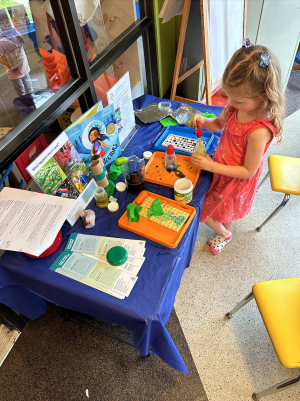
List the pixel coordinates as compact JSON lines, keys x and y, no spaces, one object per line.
{"x":120,"y":96}
{"x":29,"y":221}
{"x":60,"y":171}
{"x":91,"y":272}
{"x":97,"y":245}
{"x":96,"y":135}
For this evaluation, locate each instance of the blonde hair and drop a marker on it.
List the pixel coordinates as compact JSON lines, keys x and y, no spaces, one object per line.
{"x":245,"y":74}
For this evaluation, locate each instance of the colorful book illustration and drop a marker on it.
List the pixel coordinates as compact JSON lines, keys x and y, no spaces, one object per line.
{"x":60,"y":171}
{"x":96,"y":133}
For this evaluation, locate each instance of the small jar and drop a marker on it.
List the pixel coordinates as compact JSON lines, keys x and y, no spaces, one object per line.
{"x":101,"y":197}
{"x":170,"y":159}
{"x":200,"y":148}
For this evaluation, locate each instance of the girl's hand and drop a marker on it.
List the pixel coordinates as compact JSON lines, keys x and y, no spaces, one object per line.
{"x":193,"y":121}
{"x":205,"y":163}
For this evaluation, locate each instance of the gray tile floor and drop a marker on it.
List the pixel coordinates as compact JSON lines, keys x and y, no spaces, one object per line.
{"x":235,"y":358}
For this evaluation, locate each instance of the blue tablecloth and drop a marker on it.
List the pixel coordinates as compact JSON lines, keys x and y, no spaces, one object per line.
{"x":27,"y":285}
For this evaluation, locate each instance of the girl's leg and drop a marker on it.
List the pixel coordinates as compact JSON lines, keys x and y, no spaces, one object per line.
{"x":228,"y":226}
{"x":219,"y":228}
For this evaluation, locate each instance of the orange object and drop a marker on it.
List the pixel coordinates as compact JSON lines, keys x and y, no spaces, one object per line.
{"x":102,"y":85}
{"x":155,"y":231}
{"x":91,"y":58}
{"x":56,"y":67}
{"x":155,"y":170}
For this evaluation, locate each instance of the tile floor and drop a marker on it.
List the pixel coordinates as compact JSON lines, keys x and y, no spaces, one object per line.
{"x":235,"y":357}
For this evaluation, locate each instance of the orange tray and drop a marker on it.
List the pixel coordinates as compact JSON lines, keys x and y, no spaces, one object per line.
{"x":155,"y":170}
{"x":155,"y":231}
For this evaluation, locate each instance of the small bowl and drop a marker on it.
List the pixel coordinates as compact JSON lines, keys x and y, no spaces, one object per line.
{"x":121,"y":186}
{"x":166,"y":106}
{"x":113,"y":206}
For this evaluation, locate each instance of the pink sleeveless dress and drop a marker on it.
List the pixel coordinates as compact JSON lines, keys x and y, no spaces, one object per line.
{"x":231,"y":198}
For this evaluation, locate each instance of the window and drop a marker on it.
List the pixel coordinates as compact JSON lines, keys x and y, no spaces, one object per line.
{"x":85,"y":65}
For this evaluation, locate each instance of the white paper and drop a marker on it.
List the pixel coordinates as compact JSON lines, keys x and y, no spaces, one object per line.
{"x":120,"y":96}
{"x":29,"y":221}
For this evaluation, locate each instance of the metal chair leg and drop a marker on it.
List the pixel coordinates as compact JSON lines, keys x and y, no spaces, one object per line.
{"x":263,"y":180}
{"x":283,"y":203}
{"x":277,"y":388}
{"x":247,"y":299}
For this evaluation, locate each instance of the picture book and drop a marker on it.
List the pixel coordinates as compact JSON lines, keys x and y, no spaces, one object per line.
{"x":60,"y":171}
{"x":96,"y":135}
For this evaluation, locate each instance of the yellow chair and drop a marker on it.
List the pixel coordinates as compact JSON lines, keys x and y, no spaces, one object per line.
{"x":285,"y":177}
{"x":279,"y":304}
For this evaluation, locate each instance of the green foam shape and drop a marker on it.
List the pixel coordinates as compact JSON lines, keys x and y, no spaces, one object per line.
{"x":156,"y":209}
{"x":133,"y":212}
{"x":110,"y":189}
{"x":208,"y":115}
{"x":114,"y":171}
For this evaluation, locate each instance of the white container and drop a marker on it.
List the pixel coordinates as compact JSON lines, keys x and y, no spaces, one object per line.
{"x":121,"y":186}
{"x":147,"y":155}
{"x":113,"y":206}
{"x":183,"y":190}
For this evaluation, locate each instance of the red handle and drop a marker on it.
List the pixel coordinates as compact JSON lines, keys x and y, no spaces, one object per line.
{"x":199,"y":130}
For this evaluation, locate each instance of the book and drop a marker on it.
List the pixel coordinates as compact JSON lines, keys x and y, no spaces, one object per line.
{"x":96,"y":134}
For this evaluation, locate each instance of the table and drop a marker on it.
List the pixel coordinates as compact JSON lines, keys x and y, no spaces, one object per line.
{"x":27,"y":285}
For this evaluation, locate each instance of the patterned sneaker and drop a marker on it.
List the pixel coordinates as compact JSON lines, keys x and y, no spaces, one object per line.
{"x":217,"y":243}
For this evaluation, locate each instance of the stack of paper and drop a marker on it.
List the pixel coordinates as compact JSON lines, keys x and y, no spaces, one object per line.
{"x":84,"y":260}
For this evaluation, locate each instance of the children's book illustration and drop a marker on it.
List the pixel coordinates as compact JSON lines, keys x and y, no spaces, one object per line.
{"x":96,"y":135}
{"x":60,"y":171}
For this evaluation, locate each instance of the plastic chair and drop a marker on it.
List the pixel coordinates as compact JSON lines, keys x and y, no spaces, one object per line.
{"x":279,"y":304}
{"x":285,"y":177}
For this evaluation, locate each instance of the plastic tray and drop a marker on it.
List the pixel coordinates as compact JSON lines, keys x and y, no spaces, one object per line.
{"x":186,"y":132}
{"x":155,"y":170}
{"x":154,"y":231}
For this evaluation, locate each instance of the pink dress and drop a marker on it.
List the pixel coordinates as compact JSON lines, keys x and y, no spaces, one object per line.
{"x":231,"y":198}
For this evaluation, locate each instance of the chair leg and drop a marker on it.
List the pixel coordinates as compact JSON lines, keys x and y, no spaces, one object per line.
{"x":247,"y":299}
{"x":283,"y":203}
{"x":263,"y":180}
{"x":277,"y":388}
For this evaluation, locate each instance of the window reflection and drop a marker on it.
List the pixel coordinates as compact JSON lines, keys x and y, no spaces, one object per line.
{"x":32,"y":60}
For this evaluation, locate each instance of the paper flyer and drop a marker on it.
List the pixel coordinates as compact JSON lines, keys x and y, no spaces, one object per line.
{"x":96,"y":135}
{"x":60,"y":171}
{"x":99,"y":246}
{"x":132,"y":268}
{"x":29,"y":221}
{"x":93,"y":273}
{"x":120,"y":96}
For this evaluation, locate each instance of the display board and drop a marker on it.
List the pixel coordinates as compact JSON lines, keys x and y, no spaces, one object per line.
{"x":223,"y":27}
{"x":192,"y":52}
{"x":225,"y":33}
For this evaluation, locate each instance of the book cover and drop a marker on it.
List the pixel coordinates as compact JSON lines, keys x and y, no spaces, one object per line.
{"x":96,"y":135}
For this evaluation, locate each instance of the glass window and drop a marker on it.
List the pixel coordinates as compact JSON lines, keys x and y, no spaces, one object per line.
{"x":32,"y":61}
{"x":131,"y":60}
{"x":102,"y":24}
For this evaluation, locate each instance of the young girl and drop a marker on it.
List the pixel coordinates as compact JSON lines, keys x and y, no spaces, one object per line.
{"x":253,"y":116}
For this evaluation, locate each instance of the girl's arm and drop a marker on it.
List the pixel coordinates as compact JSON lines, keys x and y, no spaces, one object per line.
{"x":255,"y":150}
{"x":103,"y":144}
{"x":211,"y":124}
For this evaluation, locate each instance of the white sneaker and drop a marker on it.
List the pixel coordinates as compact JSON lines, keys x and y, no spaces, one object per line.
{"x":216,"y":243}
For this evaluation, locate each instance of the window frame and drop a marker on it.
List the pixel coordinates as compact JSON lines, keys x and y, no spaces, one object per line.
{"x":83,"y":74}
